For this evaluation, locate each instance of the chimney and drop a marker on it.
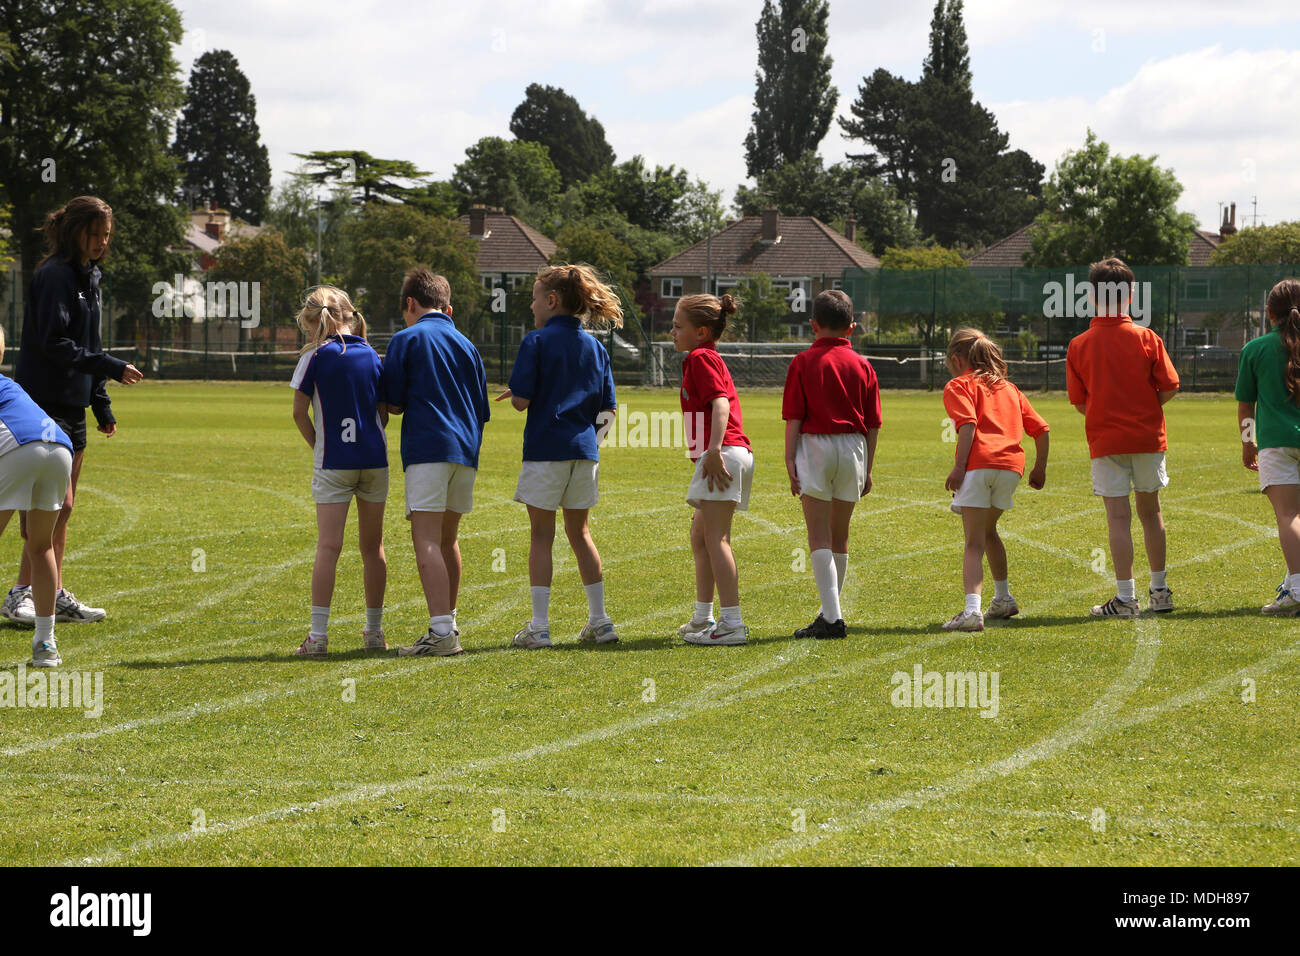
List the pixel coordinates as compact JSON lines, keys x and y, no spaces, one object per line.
{"x":1229,"y":224}
{"x":771,"y":221}
{"x":851,"y":229}
{"x":218,"y":221}
{"x":477,"y":220}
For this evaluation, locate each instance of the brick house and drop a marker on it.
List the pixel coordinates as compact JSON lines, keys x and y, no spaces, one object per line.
{"x":510,"y":253}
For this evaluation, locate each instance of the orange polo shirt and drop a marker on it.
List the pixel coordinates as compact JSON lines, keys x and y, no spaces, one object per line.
{"x":1116,"y":368}
{"x":1001,"y":415}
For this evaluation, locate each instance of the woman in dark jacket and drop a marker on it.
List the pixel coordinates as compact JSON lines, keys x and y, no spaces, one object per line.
{"x":62,"y":366}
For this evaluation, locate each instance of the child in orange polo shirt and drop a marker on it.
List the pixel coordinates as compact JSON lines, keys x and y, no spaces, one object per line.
{"x":991,"y":417}
{"x":1119,"y":377}
{"x":831,"y":409}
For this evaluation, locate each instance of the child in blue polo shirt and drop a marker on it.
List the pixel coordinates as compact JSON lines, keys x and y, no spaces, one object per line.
{"x":339,"y":377}
{"x":562,"y":377}
{"x":434,"y":379}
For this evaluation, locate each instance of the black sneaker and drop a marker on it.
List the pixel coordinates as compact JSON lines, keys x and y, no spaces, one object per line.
{"x":821,"y":630}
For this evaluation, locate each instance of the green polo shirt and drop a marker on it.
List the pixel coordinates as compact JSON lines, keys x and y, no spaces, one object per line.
{"x":1261,"y":379}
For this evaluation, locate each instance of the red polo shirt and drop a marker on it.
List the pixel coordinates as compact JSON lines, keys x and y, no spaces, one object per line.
{"x":832,"y":390}
{"x":704,"y":378}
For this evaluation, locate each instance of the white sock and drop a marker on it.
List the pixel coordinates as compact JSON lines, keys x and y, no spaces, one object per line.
{"x":374,"y":619}
{"x":320,"y":620}
{"x":1002,"y":589}
{"x":440,"y":624}
{"x":1293,"y":584}
{"x":703,"y":611}
{"x":595,"y":602}
{"x":541,"y":598}
{"x":731,"y":615}
{"x":453,"y":617}
{"x":823,"y":565}
{"x":841,"y":569}
{"x":973,"y":603}
{"x":44,"y":630}
{"x":1158,"y":580}
{"x":1125,"y":590}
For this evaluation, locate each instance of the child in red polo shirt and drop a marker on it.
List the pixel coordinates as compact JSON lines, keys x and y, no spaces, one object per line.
{"x":832,"y":416}
{"x":724,"y":466}
{"x":991,"y":417}
{"x":1119,"y":377}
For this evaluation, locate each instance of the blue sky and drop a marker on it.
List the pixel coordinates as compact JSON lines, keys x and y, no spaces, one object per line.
{"x":1213,"y":89}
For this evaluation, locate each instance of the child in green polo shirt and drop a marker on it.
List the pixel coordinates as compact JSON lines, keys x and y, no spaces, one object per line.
{"x":1268,"y":413}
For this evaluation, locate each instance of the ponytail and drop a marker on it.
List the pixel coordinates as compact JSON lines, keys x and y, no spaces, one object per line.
{"x":328,"y":313}
{"x":1284,"y":309}
{"x":583,"y":295}
{"x":981,"y":354}
{"x":708,"y":311}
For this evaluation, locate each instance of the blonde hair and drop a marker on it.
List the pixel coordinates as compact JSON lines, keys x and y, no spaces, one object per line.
{"x":327,"y":312}
{"x":981,"y":353}
{"x":709,"y":311}
{"x":583,"y":295}
{"x":2,"y":343}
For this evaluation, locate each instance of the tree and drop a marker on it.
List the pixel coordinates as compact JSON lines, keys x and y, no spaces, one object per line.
{"x":370,"y":179}
{"x":764,"y":309}
{"x":218,"y":141}
{"x":1098,"y":205}
{"x":514,"y":174}
{"x":387,"y":240}
{"x":583,"y":242}
{"x":941,"y":150}
{"x":280,"y":270}
{"x":1260,"y":246}
{"x":575,"y":141}
{"x":699,"y":213}
{"x":793,"y":97}
{"x":644,"y":197}
{"x":297,"y":213}
{"x":85,"y":112}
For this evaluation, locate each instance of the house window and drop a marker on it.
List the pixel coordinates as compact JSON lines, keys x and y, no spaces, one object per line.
{"x":837,"y":283}
{"x":724,"y":285}
{"x":670,"y":288}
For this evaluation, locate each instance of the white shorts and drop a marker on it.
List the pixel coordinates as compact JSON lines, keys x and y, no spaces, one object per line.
{"x":333,"y":486}
{"x":440,"y":486}
{"x":1112,"y":475}
{"x":986,"y":488}
{"x":558,"y":484}
{"x":740,"y":463}
{"x":831,"y":466}
{"x":1279,"y":466}
{"x":35,"y":477}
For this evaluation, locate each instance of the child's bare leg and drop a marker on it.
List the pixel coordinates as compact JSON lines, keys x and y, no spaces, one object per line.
{"x":1153,"y":527}
{"x":330,"y":520}
{"x":449,"y":545}
{"x":60,"y":529}
{"x":584,"y":548}
{"x":716,"y":516}
{"x":841,"y":515}
{"x":975,"y":526}
{"x":1286,"y":509}
{"x":994,"y":549}
{"x":370,"y":535}
{"x":4,"y":519}
{"x":703,"y":566}
{"x":1119,"y":519}
{"x":38,"y":547}
{"x":817,"y":516}
{"x":541,"y":541}
{"x":426,"y":535}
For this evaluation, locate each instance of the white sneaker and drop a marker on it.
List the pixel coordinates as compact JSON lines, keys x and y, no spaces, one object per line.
{"x":18,"y":607}
{"x":531,"y":639}
{"x":1002,"y":608}
{"x":719,"y":633}
{"x":1284,"y":605}
{"x":1116,"y":608}
{"x":1160,"y":600}
{"x":431,"y":645}
{"x":602,"y":633}
{"x":71,"y":611}
{"x":374,"y":640}
{"x":694,"y":627}
{"x":45,"y":655}
{"x":966,"y":621}
{"x":314,"y":646}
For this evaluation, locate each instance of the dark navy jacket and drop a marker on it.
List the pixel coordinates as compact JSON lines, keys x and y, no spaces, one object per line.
{"x":60,"y":361}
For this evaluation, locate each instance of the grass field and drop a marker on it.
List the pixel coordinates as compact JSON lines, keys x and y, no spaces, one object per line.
{"x":1115,"y":742}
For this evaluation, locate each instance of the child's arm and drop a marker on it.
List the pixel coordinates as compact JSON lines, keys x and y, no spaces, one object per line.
{"x":792,"y":426}
{"x":1165,"y":396}
{"x":383,"y":414}
{"x":1038,"y":476}
{"x":715,"y":468}
{"x":1081,"y":408}
{"x":872,"y":435}
{"x":301,"y":418}
{"x":965,"y":440}
{"x":1249,"y":447}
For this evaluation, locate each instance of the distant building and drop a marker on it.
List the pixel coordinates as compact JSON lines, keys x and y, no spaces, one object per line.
{"x":510,"y":251}
{"x":209,"y":227}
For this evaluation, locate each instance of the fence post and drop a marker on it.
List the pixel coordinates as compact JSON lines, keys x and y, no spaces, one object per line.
{"x":1047,"y":356}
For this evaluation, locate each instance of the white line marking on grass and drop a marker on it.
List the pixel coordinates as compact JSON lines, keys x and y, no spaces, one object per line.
{"x":130,"y":515}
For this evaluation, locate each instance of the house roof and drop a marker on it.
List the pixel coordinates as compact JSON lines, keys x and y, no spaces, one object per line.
{"x":510,"y":245}
{"x":807,"y":246}
{"x":1008,"y":251}
{"x":1203,"y":245}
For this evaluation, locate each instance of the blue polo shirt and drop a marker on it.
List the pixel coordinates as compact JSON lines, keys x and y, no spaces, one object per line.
{"x":22,"y":421}
{"x":565,"y":374}
{"x":343,"y":378}
{"x":436,"y":376}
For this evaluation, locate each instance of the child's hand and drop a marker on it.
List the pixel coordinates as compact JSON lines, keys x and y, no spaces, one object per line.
{"x":110,"y":429}
{"x":1250,"y":455}
{"x":131,"y":375}
{"x":955,"y":478}
{"x":867,"y":485}
{"x":504,"y":395}
{"x":1038,"y":477}
{"x":795,"y":487}
{"x":715,"y":469}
